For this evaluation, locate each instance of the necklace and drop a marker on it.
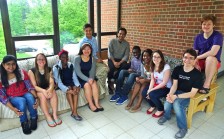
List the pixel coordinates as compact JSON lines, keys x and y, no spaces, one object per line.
{"x":41,"y":72}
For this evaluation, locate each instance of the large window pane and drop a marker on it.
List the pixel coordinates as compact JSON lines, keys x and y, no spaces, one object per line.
{"x":108,"y":15}
{"x":2,"y":41}
{"x":25,"y":49}
{"x":30,"y":17}
{"x":73,"y":15}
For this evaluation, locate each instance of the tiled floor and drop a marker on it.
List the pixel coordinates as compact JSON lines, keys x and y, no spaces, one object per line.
{"x":115,"y":122}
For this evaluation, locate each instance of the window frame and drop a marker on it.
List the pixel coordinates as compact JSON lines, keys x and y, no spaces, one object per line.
{"x":10,"y":40}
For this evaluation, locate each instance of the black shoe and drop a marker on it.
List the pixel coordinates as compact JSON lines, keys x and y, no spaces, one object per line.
{"x":100,"y":109}
{"x":96,"y":110}
{"x":33,"y":125}
{"x":76,"y":117}
{"x":26,"y":128}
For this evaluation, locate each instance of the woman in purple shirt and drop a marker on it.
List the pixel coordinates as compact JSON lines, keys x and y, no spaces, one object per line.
{"x":208,"y":45}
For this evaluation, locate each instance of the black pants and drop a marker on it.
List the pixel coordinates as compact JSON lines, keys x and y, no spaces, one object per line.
{"x":112,"y":68}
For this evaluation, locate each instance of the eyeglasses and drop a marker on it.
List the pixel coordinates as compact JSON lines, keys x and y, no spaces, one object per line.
{"x":188,"y":58}
{"x":156,"y":57}
{"x":40,"y":59}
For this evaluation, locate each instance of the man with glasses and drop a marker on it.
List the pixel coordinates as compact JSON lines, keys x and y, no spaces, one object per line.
{"x":187,"y":80}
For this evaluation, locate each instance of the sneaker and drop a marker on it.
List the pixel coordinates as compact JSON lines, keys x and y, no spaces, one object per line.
{"x":76,"y":117}
{"x":121,"y":100}
{"x":33,"y":125}
{"x":26,"y":128}
{"x":181,"y":133}
{"x":162,"y":120}
{"x":114,"y":98}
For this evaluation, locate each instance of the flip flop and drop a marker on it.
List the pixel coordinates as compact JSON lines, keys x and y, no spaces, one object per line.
{"x":51,"y":123}
{"x":58,"y":121}
{"x":204,"y":90}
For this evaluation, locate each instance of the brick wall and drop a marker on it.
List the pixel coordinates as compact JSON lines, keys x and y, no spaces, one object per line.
{"x":168,"y":25}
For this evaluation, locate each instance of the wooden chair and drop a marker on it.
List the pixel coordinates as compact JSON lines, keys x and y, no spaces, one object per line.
{"x":197,"y":103}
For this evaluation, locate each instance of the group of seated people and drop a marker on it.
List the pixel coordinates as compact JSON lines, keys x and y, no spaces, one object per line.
{"x":148,"y":77}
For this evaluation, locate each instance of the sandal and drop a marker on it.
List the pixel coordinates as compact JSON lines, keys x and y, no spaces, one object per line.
{"x":204,"y":90}
{"x":51,"y":123}
{"x":58,"y":121}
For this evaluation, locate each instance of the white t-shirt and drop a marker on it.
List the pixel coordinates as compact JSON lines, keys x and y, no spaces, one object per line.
{"x":159,"y":76}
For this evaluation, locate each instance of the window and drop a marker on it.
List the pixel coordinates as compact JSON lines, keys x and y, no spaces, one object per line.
{"x":2,"y":41}
{"x":31,"y":48}
{"x":29,"y":18}
{"x":72,"y":16}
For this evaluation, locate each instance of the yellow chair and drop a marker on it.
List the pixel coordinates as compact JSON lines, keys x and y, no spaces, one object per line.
{"x":197,"y":103}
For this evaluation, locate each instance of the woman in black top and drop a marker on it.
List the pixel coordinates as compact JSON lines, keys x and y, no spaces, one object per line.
{"x":42,"y":79}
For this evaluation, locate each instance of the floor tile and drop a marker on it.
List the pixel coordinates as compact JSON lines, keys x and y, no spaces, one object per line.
{"x":94,"y":134}
{"x":99,"y":121}
{"x":64,"y":134}
{"x":111,"y":131}
{"x":126,"y":123}
{"x":140,"y":132}
{"x":82,"y":128}
{"x":9,"y":133}
{"x":124,"y":136}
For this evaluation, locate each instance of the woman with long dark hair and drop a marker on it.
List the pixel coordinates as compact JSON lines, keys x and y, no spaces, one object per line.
{"x":17,"y":93}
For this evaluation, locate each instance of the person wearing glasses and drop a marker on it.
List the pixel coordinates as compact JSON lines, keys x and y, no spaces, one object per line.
{"x":208,"y":46}
{"x":186,"y":82}
{"x":159,"y":85}
{"x":17,"y":93}
{"x":43,"y":82}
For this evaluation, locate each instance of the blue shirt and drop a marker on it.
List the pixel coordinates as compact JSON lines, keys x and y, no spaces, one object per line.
{"x":136,"y":65}
{"x":91,"y":41}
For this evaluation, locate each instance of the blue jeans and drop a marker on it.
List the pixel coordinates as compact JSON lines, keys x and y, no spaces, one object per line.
{"x":128,"y":84}
{"x":23,"y":103}
{"x":179,"y":106}
{"x":155,"y":96}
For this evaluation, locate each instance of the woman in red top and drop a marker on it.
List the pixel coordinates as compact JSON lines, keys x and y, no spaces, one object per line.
{"x":17,"y":93}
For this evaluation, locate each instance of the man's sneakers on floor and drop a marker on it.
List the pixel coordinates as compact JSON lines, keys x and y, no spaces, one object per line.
{"x":114,"y":98}
{"x":121,"y":100}
{"x":181,"y":134}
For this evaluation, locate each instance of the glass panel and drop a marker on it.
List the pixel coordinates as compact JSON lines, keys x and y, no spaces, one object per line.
{"x":105,"y":40}
{"x":25,"y":49}
{"x":30,"y":17}
{"x":108,"y":15}
{"x":2,"y":41}
{"x":72,"y":16}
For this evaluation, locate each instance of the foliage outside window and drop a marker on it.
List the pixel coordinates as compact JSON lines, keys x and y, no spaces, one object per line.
{"x":2,"y":41}
{"x":72,"y":16}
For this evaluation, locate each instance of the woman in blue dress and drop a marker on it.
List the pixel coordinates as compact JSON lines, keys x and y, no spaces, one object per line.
{"x":85,"y":67}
